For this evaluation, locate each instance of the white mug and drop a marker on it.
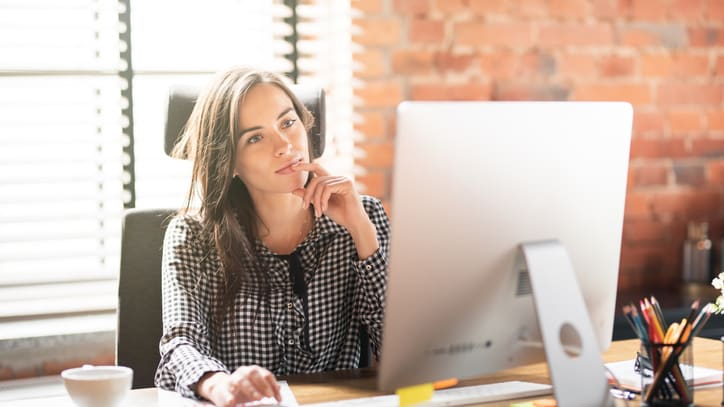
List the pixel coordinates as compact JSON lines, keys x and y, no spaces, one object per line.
{"x":98,"y":386}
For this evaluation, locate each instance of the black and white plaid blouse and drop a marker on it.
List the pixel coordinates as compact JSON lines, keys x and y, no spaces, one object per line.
{"x":345,"y":294}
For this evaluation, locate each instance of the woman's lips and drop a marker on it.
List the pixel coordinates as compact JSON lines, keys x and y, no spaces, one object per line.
{"x":287,"y":169}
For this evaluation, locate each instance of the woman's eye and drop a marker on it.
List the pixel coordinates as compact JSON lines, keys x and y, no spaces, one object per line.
{"x":288,"y":123}
{"x":254,"y":139}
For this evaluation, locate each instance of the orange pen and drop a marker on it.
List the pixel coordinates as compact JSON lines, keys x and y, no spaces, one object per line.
{"x":444,"y":384}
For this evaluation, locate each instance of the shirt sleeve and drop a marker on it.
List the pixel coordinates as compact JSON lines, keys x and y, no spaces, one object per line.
{"x":188,"y":289}
{"x":372,"y":273}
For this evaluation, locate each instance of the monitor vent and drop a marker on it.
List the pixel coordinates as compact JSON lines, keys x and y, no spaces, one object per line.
{"x":524,"y":287}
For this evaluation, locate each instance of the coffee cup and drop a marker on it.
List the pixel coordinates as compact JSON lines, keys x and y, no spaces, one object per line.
{"x":98,"y":386}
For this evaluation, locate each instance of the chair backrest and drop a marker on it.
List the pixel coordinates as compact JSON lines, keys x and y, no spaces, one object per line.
{"x":139,"y":293}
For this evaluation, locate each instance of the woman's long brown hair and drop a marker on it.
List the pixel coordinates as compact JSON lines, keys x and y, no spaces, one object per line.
{"x":226,"y":211}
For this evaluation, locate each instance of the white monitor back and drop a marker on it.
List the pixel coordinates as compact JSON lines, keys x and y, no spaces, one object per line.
{"x":472,"y":181}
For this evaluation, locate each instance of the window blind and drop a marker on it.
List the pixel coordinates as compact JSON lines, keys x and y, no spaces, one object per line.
{"x":60,"y":156}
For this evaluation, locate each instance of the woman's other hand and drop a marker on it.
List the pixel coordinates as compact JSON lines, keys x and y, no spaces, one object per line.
{"x":337,"y":197}
{"x":247,"y":383}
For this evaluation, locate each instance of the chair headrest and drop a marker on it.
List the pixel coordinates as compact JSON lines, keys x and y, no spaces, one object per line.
{"x":181,"y":102}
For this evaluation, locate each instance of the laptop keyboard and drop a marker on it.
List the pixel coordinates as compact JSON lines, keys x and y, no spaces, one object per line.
{"x":458,"y":396}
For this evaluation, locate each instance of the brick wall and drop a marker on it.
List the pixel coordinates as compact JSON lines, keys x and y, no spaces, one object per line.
{"x":666,"y":57}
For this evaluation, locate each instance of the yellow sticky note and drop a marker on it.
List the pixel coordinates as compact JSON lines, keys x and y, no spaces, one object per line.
{"x":522,"y":404}
{"x":415,"y":394}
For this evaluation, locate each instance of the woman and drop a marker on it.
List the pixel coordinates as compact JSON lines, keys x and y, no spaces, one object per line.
{"x":281,"y":265}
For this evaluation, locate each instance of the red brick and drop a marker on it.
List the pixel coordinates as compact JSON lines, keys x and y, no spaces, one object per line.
{"x":638,"y":205}
{"x":449,"y":61}
{"x":451,"y":6}
{"x":392,"y":125}
{"x":575,"y":35}
{"x":377,"y":31}
{"x":6,"y":373}
{"x":372,"y":63}
{"x":373,"y":183}
{"x":650,"y":175}
{"x":529,"y":8}
{"x":648,"y":231}
{"x":686,"y":204}
{"x":569,"y":8}
{"x":715,"y":11}
{"x":645,"y":122}
{"x":681,"y":65}
{"x":716,"y":176}
{"x":605,"y":9}
{"x":719,"y":67}
{"x":106,"y":358}
{"x":684,"y":121}
{"x":536,"y":64}
{"x":636,"y":94}
{"x":470,"y":91}
{"x":425,"y":30}
{"x":368,"y":6}
{"x":658,"y":148}
{"x":715,"y":120}
{"x":687,"y":10}
{"x":691,"y":65}
{"x":705,"y":37}
{"x":371,"y":124}
{"x":616,"y":65}
{"x":380,"y":93}
{"x":53,"y":367}
{"x":499,"y":64}
{"x":651,"y":10}
{"x":376,"y":155}
{"x":488,"y":7}
{"x":649,"y":256}
{"x":708,"y":147}
{"x":411,"y":7}
{"x":577,"y":65}
{"x":638,"y":37}
{"x":684,"y":94}
{"x":494,"y":34}
{"x":532,"y":91}
{"x":689,"y":174}
{"x":412,"y":62}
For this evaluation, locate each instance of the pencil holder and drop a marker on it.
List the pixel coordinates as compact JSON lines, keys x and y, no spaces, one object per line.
{"x":666,"y":374}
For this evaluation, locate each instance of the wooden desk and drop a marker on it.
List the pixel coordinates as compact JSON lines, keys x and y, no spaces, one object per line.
{"x":346,"y":384}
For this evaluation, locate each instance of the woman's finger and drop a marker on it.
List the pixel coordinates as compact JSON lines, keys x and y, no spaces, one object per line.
{"x":332,"y":186}
{"x":313,"y":167}
{"x":260,"y":379}
{"x":309,"y":191}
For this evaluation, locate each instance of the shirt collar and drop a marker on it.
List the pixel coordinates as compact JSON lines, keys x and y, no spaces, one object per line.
{"x":323,"y":227}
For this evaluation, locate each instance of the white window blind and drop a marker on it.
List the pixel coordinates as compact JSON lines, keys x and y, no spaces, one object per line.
{"x":60,"y":156}
{"x":62,"y":129}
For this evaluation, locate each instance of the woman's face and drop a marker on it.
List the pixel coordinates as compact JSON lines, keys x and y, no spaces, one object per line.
{"x":271,"y":140}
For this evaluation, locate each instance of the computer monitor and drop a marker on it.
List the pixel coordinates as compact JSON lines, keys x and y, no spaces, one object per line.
{"x":473,"y":181}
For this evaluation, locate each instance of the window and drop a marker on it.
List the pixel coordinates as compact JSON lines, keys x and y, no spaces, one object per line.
{"x":63,"y":126}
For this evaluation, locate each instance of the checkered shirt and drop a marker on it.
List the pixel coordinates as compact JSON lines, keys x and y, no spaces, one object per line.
{"x":345,"y":294}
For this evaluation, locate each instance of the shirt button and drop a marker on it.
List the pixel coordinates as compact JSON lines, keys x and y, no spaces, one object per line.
{"x":368,"y":267}
{"x":289,"y":305}
{"x":291,"y":341}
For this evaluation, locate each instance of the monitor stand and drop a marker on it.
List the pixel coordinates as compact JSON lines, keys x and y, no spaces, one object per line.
{"x":574,"y":362}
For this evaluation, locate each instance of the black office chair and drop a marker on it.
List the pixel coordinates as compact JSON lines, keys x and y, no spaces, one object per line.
{"x":139,"y":288}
